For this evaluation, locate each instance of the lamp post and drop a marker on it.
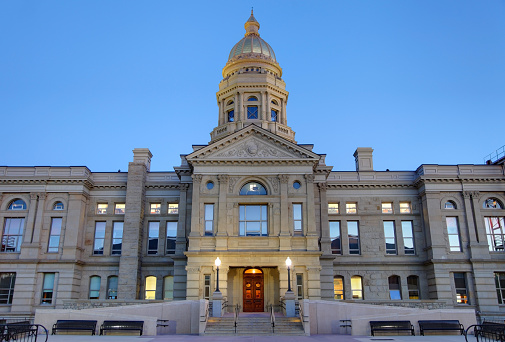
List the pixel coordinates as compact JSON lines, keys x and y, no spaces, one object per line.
{"x":289,"y":297}
{"x":217,"y":263}
{"x":288,"y":265}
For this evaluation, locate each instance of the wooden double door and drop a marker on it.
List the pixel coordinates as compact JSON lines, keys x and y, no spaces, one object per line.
{"x":253,"y":290}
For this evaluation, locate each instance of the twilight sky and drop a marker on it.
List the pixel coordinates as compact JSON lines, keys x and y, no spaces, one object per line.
{"x":82,"y":83}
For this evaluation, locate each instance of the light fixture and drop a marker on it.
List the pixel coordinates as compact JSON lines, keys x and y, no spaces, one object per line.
{"x":288,"y":265}
{"x":217,"y":263}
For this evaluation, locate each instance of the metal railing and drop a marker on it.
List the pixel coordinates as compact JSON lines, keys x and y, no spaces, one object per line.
{"x":486,"y":332}
{"x":272,"y":318}
{"x":496,"y":155}
{"x":23,"y":332}
{"x":236,"y":313}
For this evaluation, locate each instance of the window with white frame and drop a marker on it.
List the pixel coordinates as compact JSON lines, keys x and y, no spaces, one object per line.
{"x":253,"y":220}
{"x":332,"y":208}
{"x":453,"y":234}
{"x":150,"y":292}
{"x":155,"y":208}
{"x":17,"y":204}
{"x":405,"y":208}
{"x":357,"y":287}
{"x":351,"y":208}
{"x":12,"y":235}
{"x":99,"y":238}
{"x":338,"y":287}
{"x":47,"y":288}
{"x":94,"y":287}
{"x":173,"y":208}
{"x":58,"y":206}
{"x":54,"y":235}
{"x":101,"y":208}
{"x":112,"y":283}
{"x":408,"y":238}
{"x":499,"y":278}
{"x":206,"y":287}
{"x":119,"y":208}
{"x":495,"y":233}
{"x":390,"y":237}
{"x":209,"y":219}
{"x":297,"y":217}
{"x":299,"y":286}
{"x":461,"y":288}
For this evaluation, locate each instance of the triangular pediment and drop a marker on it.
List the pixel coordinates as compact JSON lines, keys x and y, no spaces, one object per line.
{"x":252,"y":143}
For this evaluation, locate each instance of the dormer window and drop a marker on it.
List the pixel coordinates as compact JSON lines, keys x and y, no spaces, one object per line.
{"x":252,"y":111}
{"x":253,"y":188}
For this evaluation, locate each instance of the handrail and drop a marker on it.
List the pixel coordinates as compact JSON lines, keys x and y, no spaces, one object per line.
{"x":272,"y":318}
{"x":237,"y":310}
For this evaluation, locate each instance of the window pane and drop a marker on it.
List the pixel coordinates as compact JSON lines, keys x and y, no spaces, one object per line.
{"x":332,"y":208}
{"x":405,"y":207}
{"x":7,"y":281}
{"x":150,"y":288}
{"x":12,"y":234}
{"x":338,"y":288}
{"x":112,"y":287}
{"x":94,"y":287}
{"x":356,"y":287}
{"x":253,"y":188}
{"x":387,"y":208}
{"x":253,"y":220}
{"x":168,"y":290}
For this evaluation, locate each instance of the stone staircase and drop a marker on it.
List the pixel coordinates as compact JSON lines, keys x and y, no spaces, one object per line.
{"x":254,"y":326}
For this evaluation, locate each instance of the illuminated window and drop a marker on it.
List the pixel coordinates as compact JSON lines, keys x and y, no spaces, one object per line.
{"x":461,"y":289}
{"x":332,"y":208}
{"x":387,"y":208}
{"x":54,"y":235}
{"x":112,"y":287}
{"x":450,"y":205}
{"x":94,"y":287}
{"x":335,"y":237}
{"x":253,"y":188}
{"x":273,"y":115}
{"x":453,"y":234}
{"x":357,"y":287}
{"x":495,"y":233}
{"x":231,"y":115}
{"x":408,"y":238}
{"x":99,"y":238}
{"x":351,"y":208}
{"x":155,"y":208}
{"x":253,"y":220}
{"x":492,"y":203}
{"x":173,"y":208}
{"x":209,"y":219}
{"x":117,"y":238}
{"x":58,"y":206}
{"x":390,"y":237}
{"x":353,"y":237}
{"x":150,"y":287}
{"x":154,"y":234}
{"x":119,"y":208}
{"x":338,"y":287}
{"x":394,"y":288}
{"x":171,"y":236}
{"x":47,"y":288}
{"x":17,"y":204}
{"x":12,"y":234}
{"x":252,"y":112}
{"x":297,"y":217}
{"x":101,"y":208}
{"x":405,"y":208}
{"x":413,"y":286}
{"x":7,"y":281}
{"x":168,"y":288}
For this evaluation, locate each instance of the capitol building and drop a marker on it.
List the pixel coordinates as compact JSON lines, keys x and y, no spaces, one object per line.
{"x":430,"y":238}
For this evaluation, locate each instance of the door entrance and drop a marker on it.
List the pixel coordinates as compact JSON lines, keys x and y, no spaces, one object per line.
{"x":253,"y":290}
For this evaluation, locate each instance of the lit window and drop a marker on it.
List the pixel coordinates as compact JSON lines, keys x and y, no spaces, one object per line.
{"x":492,"y":203}
{"x":94,"y":287}
{"x":297,"y":217}
{"x":273,"y":115}
{"x":155,"y":208}
{"x":58,"y":206}
{"x":495,"y":233}
{"x":119,"y":209}
{"x":7,"y":281}
{"x":253,"y":188}
{"x":12,"y":234}
{"x":252,"y":112}
{"x":173,"y":208}
{"x":231,"y":115}
{"x":450,"y":205}
{"x":499,"y":278}
{"x":413,"y":286}
{"x":353,"y":237}
{"x":460,"y":287}
{"x":99,"y":238}
{"x":405,"y":208}
{"x":351,"y":208}
{"x":335,"y":237}
{"x":150,"y":287}
{"x":101,"y":208}
{"x":338,"y":287}
{"x":394,"y":288}
{"x":154,"y":234}
{"x":332,"y":208}
{"x":117,"y":238}
{"x":206,"y":287}
{"x":252,"y":98}
{"x":387,"y":208}
{"x":54,"y":235}
{"x":453,"y":234}
{"x":112,"y":287}
{"x":357,"y":287}
{"x":171,"y":236}
{"x":47,"y":288}
{"x":253,"y":220}
{"x":299,"y":286}
{"x":209,"y":219}
{"x":408,"y":238}
{"x":18,"y":204}
{"x":168,"y":288}
{"x":390,"y":237}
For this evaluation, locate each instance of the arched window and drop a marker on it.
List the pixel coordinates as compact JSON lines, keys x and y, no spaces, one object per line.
{"x":492,"y":203}
{"x":450,"y":205}
{"x":252,"y":98}
{"x":413,"y":285}
{"x":112,"y":287}
{"x":338,"y":287}
{"x":17,"y":204}
{"x":394,"y":288}
{"x":231,"y":115}
{"x":94,"y":287}
{"x":253,"y":188}
{"x":58,"y":206}
{"x":230,"y":103}
{"x":274,"y":102}
{"x":357,"y":287}
{"x":150,"y":287}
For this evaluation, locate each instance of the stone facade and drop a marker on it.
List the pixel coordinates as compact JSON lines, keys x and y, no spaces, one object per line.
{"x":396,"y":243}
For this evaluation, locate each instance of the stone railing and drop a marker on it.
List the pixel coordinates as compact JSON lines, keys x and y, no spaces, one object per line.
{"x":80,"y":304}
{"x":419,"y":304}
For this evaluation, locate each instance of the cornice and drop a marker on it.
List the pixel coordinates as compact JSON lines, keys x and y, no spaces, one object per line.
{"x":438,"y":180}
{"x":372,"y":186}
{"x":163,"y":186}
{"x":236,"y":88}
{"x":20,"y":181}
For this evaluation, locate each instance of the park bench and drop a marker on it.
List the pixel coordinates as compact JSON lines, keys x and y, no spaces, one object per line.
{"x":441,"y":325}
{"x":391,"y":326}
{"x":121,"y":326}
{"x":74,"y":324}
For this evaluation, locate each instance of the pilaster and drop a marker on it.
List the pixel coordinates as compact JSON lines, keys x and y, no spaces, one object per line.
{"x":196,"y":224}
{"x":285,"y":243}
{"x":74,"y":228}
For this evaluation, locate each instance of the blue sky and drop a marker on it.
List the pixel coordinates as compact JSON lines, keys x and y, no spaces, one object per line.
{"x":85,"y":82}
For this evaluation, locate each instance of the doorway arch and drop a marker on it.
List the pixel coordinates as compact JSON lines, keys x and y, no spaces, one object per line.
{"x":253,"y":290}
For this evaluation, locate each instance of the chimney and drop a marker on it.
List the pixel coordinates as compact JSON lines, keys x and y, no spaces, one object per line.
{"x":364,"y":159}
{"x":142,"y":156}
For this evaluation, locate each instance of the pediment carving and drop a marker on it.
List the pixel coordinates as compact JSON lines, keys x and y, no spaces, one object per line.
{"x":253,"y":148}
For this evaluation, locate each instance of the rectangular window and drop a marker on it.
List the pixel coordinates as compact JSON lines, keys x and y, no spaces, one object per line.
{"x":252,"y":112}
{"x":47,"y":288}
{"x":273,"y":115}
{"x":351,"y":208}
{"x":155,"y":208}
{"x":413,"y":286}
{"x":150,"y":287}
{"x":495,"y":233}
{"x":299,"y":286}
{"x":357,"y":287}
{"x":101,"y":208}
{"x":7,"y":281}
{"x":54,"y":235}
{"x":297,"y":218}
{"x":99,"y":238}
{"x":209,"y":219}
{"x":394,"y":288}
{"x":154,"y":235}
{"x":253,"y":220}
{"x":353,"y":236}
{"x":117,"y":238}
{"x":338,"y":287}
{"x":206,"y":288}
{"x":94,"y":287}
{"x":168,"y":288}
{"x":173,"y":208}
{"x":387,"y":208}
{"x":460,"y":285}
{"x":499,"y":279}
{"x":112,"y":287}
{"x":405,"y":208}
{"x":390,"y":237}
{"x":335,"y":237}
{"x":12,"y":234}
{"x":453,"y":234}
{"x":119,"y":208}
{"x":332,"y":208}
{"x":408,"y":238}
{"x":171,"y":236}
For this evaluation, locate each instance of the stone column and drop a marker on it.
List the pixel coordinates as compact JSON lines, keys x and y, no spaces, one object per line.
{"x":479,"y":220}
{"x":472,"y":232}
{"x":236,"y":107}
{"x":284,"y":116}
{"x":314,"y":281}
{"x":264,"y":106}
{"x":434,"y":227}
{"x":323,"y":219}
{"x":193,"y":283}
{"x":196,"y":224}
{"x":129,"y":279}
{"x":242,"y":108}
{"x":220,"y":116}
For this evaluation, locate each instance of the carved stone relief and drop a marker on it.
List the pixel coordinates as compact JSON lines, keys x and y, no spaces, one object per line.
{"x":254,"y":149}
{"x":275,"y":183}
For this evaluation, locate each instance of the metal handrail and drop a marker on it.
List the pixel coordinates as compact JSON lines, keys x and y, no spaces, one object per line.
{"x":237,"y":310}
{"x":272,"y":318}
